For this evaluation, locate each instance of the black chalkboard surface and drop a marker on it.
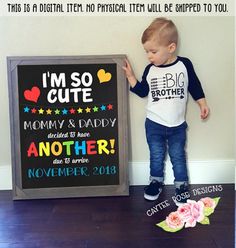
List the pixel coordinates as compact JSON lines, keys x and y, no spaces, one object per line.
{"x":68,"y":126}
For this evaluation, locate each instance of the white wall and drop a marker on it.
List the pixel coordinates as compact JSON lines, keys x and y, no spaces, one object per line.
{"x":208,"y":41}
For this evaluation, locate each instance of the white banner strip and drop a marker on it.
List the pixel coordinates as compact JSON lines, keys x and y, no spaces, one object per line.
{"x":116,"y":8}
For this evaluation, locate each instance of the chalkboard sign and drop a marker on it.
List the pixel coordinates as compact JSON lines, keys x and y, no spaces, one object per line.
{"x":68,"y":126}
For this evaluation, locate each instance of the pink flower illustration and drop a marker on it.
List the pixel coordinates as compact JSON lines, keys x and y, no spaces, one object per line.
{"x":184,"y":211}
{"x":173,"y":220}
{"x":197,"y":213}
{"x":208,"y":202}
{"x":189,"y":214}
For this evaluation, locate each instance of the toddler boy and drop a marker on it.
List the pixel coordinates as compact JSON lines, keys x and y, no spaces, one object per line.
{"x":166,"y":81}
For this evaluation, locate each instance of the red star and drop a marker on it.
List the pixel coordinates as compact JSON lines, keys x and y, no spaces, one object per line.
{"x":33,"y":110}
{"x":72,"y":111}
{"x":110,"y":106}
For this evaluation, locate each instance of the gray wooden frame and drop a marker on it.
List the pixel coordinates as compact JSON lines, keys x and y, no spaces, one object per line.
{"x":63,"y":192}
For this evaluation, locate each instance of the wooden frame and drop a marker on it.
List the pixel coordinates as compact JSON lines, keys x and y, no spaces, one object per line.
{"x":58,"y":148}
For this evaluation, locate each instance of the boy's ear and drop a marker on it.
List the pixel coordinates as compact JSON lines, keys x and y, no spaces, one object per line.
{"x":172,"y":47}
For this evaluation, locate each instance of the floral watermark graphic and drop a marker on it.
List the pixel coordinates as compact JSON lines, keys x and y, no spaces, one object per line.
{"x":189,"y":214}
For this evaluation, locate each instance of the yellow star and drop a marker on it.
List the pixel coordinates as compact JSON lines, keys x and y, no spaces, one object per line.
{"x":88,"y":110}
{"x":80,"y":110}
{"x":49,"y":111}
{"x":41,"y":111}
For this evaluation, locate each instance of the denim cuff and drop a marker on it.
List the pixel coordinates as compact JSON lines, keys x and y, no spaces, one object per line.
{"x":179,"y":183}
{"x":159,"y":179}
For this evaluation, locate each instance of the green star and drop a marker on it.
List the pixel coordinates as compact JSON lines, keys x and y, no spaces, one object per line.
{"x":95,"y":109}
{"x":57,"y":112}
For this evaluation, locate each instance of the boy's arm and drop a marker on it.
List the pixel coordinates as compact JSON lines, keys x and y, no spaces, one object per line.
{"x":130,"y":74}
{"x":195,"y":89}
{"x":205,"y":111}
{"x":139,"y":88}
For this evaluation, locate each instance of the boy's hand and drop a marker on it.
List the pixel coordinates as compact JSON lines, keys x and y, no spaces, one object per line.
{"x":129,"y":73}
{"x":205,"y":111}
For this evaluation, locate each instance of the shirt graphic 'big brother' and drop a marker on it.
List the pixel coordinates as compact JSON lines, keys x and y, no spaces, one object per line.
{"x":169,"y":86}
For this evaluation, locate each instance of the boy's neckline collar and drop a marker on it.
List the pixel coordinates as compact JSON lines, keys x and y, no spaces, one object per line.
{"x":174,"y":62}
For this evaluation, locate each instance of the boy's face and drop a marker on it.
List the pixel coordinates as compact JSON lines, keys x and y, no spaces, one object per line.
{"x":159,"y":54}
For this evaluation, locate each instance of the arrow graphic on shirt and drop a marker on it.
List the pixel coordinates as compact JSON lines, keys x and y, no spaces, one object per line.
{"x":156,"y":99}
{"x":160,"y":85}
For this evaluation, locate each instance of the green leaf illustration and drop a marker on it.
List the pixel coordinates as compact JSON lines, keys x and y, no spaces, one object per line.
{"x":205,"y":221}
{"x":208,"y":211}
{"x":166,"y":228}
{"x":217,"y":199}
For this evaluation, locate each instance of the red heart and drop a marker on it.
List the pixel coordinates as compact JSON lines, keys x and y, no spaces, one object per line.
{"x":32,"y":95}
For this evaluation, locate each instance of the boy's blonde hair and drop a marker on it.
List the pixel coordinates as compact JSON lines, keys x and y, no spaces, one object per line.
{"x":163,"y":30}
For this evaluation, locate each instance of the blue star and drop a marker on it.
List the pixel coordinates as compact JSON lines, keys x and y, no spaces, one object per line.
{"x":26,"y":110}
{"x":64,"y":111}
{"x":103,"y":107}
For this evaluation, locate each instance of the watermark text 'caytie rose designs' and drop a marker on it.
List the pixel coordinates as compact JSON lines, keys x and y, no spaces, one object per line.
{"x":194,"y":192}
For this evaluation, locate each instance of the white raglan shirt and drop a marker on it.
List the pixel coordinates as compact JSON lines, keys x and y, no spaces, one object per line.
{"x":167,"y":89}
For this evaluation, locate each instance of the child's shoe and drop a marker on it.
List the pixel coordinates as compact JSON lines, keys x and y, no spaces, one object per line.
{"x":153,"y":190}
{"x":181,"y":195}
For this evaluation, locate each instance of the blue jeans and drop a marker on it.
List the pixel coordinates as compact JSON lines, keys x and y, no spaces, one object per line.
{"x":160,"y":139}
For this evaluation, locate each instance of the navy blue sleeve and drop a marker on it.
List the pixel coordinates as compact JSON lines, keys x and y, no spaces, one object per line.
{"x":194,"y":84}
{"x":142,"y":88}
